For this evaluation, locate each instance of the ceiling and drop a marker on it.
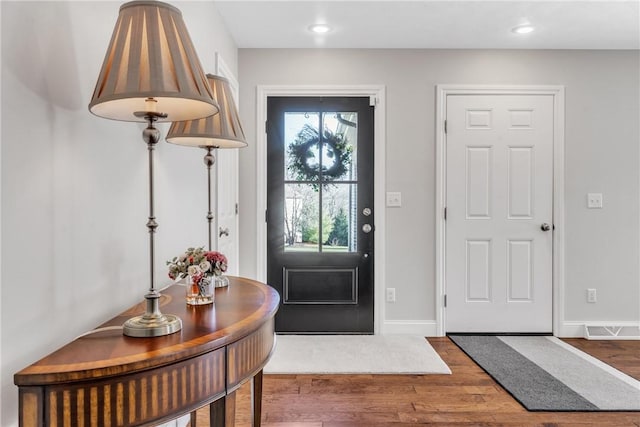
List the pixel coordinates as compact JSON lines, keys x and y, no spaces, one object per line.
{"x":455,"y":24}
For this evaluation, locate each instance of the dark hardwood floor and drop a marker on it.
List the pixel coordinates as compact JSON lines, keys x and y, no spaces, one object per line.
{"x":468,"y":397}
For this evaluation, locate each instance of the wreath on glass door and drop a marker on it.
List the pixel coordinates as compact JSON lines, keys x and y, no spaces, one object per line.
{"x":304,"y":154}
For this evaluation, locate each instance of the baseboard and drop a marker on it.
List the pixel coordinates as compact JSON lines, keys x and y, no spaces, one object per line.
{"x":575,"y":329}
{"x":183,"y":421}
{"x":425,"y":328}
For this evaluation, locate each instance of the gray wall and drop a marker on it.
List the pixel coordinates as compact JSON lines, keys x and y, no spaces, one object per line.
{"x":602,"y":155}
{"x":74,"y":186}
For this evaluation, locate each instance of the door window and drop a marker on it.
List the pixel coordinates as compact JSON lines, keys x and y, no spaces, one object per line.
{"x":321,"y":177}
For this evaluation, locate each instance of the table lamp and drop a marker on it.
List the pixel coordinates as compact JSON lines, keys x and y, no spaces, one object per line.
{"x":222,"y":130}
{"x":151,"y":73}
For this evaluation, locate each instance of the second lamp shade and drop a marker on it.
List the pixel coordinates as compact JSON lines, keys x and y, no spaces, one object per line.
{"x":222,"y":130}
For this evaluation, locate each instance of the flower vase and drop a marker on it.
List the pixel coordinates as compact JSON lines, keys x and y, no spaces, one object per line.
{"x":200,"y":289}
{"x":221,"y":281}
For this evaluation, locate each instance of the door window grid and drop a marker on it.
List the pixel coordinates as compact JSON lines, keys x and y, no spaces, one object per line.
{"x":325,"y":163}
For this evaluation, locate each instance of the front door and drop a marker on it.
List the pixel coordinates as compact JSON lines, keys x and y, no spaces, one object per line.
{"x":499,"y":194}
{"x":320,"y":217}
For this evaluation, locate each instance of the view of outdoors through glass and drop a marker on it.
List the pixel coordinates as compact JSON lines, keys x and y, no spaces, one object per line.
{"x":320,"y":173}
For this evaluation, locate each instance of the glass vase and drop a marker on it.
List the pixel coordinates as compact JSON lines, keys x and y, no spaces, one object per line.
{"x":200,"y":290}
{"x":221,"y":281}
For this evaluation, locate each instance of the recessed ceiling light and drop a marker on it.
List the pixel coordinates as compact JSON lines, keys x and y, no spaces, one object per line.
{"x":319,"y":28}
{"x":523,"y":29}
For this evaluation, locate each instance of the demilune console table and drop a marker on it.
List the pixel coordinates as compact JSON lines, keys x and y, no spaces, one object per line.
{"x":108,"y":379}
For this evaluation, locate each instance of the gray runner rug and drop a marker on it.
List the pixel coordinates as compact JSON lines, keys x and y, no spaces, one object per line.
{"x":354,"y":354}
{"x":546,"y":374}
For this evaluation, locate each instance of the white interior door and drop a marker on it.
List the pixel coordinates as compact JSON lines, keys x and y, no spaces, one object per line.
{"x":225,"y":230}
{"x":499,"y":196}
{"x":226,"y":218}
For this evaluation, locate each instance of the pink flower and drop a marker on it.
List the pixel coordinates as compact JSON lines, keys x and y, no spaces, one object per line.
{"x":214,"y":256}
{"x":217,"y":260}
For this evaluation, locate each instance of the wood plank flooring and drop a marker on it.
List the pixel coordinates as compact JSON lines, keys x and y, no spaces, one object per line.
{"x":468,"y":397}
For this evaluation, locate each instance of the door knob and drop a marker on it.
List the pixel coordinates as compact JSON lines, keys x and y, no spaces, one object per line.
{"x":223,"y":232}
{"x":367,"y":228}
{"x":545,"y":227}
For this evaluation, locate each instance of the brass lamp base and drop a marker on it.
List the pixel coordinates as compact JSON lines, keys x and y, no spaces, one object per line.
{"x":152,"y":323}
{"x":152,"y":326}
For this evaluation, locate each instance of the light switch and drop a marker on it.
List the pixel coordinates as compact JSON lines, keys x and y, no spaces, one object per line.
{"x":394,"y":199}
{"x":594,"y":200}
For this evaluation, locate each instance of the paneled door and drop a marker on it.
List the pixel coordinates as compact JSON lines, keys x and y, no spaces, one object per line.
{"x":225,"y":225}
{"x":226,"y":218}
{"x":320,"y":219}
{"x":499,"y":210}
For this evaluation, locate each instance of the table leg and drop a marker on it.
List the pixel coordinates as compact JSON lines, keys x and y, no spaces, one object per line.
{"x":256,"y":399}
{"x":222,"y":412}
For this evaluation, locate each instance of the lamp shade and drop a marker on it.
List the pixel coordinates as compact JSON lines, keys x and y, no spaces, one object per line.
{"x":151,"y":56}
{"x":222,"y":130}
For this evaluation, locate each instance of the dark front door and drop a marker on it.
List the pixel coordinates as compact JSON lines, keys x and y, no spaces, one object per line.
{"x":320,"y":213}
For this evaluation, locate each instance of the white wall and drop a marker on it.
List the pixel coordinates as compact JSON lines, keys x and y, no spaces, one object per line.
{"x":74,"y":186}
{"x":602,"y":155}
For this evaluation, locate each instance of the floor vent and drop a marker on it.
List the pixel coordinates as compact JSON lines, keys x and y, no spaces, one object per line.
{"x":611,"y":332}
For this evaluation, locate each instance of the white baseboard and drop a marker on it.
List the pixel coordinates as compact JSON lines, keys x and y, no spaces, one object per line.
{"x":183,"y":421}
{"x":575,"y":329}
{"x":426,"y":328}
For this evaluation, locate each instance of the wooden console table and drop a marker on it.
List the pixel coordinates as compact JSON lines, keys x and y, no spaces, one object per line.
{"x":108,"y":379}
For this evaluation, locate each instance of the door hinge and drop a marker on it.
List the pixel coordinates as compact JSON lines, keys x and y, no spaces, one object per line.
{"x":266,"y":218}
{"x":266,"y":126}
{"x":445,"y":300}
{"x":373,"y":101}
{"x":445,"y":214}
{"x":445,"y":126}
{"x":236,"y":209}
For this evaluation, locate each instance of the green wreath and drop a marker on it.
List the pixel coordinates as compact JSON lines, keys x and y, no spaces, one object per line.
{"x":302,"y":155}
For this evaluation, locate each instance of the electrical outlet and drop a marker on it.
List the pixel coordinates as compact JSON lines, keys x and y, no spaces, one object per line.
{"x":594,"y":200}
{"x":394,"y":199}
{"x":591,"y":295}
{"x":391,"y":294}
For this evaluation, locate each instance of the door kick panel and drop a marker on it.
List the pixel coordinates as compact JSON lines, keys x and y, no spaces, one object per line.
{"x":325,"y":285}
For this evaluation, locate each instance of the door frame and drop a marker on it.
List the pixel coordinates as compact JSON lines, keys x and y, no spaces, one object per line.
{"x":558,"y":267}
{"x":376,"y":93}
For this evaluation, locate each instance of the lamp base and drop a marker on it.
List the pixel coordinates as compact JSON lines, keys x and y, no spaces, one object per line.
{"x":152,"y":326}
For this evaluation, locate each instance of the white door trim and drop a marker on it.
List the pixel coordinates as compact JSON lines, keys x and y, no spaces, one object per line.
{"x":377,"y":95}
{"x":558,"y":188}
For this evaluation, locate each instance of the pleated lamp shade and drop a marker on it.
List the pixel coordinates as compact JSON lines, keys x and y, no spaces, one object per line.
{"x":151,"y":56}
{"x":222,"y":130}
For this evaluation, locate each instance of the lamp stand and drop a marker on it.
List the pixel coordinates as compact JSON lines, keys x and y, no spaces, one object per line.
{"x":152,"y":323}
{"x":209,"y":160}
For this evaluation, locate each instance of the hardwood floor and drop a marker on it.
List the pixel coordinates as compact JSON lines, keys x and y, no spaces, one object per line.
{"x":468,"y":397}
